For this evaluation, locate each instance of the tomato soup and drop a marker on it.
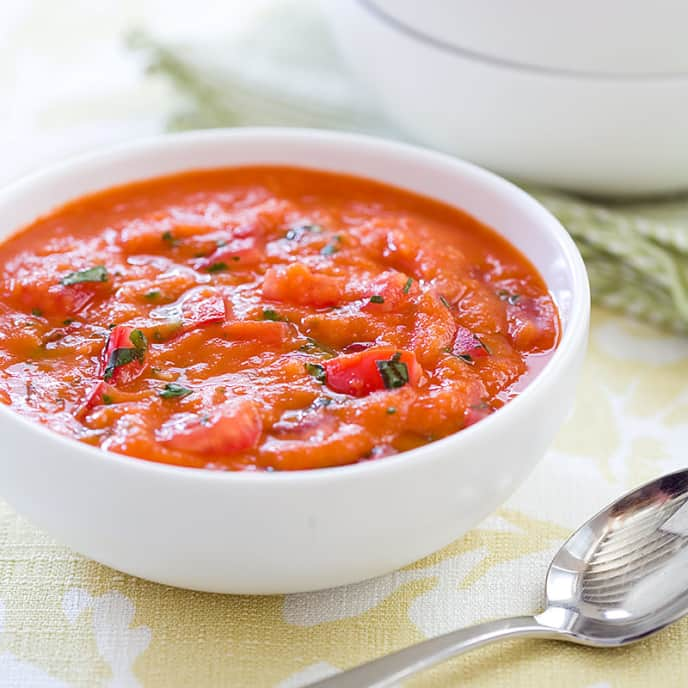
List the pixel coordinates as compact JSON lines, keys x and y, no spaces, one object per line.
{"x":265,"y":318}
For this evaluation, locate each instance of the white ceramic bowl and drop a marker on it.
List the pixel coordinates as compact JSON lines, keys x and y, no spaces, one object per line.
{"x":288,"y":532}
{"x":595,"y":133}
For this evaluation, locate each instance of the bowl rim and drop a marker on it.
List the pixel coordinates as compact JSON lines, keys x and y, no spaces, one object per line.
{"x":567,"y":348}
{"x":456,"y":50}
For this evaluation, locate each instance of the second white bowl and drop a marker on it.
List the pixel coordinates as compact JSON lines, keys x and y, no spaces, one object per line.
{"x":624,"y":135}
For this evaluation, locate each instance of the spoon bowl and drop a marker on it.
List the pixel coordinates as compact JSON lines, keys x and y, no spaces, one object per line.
{"x":620,"y":577}
{"x":624,"y":574}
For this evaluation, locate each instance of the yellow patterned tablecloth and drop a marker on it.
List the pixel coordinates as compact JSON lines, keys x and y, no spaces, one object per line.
{"x":66,"y":621}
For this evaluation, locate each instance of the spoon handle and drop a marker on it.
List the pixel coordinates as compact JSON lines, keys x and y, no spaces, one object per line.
{"x":387,"y":670}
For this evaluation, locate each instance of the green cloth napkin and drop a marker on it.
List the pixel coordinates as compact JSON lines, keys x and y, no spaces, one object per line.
{"x":285,"y":71}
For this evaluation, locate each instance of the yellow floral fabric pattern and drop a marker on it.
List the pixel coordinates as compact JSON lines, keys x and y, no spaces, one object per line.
{"x":67,"y":621}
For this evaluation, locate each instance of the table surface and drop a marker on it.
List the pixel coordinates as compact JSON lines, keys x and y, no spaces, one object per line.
{"x":68,"y":84}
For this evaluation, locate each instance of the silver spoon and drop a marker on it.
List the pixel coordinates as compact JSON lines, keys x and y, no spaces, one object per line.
{"x":619,"y":578}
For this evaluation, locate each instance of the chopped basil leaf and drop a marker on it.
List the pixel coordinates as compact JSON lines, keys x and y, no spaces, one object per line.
{"x":107,"y":399}
{"x":299,"y":230}
{"x":466,"y":358}
{"x":394,"y":372}
{"x":445,"y":302}
{"x":317,"y":371}
{"x":154,"y":294}
{"x":271,"y":314}
{"x":112,"y":326}
{"x":332,"y":246}
{"x":172,"y":390}
{"x":391,"y":410}
{"x":36,"y":312}
{"x":168,"y":238}
{"x":507,"y":296}
{"x":218,"y":267}
{"x":376,"y":298}
{"x":407,"y":286}
{"x":67,"y":322}
{"x":321,"y":402}
{"x":221,"y":243}
{"x":125,"y":355}
{"x":97,"y":274}
{"x":119,"y":358}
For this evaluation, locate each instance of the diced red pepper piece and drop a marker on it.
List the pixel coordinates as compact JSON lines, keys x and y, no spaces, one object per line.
{"x":232,"y":427}
{"x":124,"y":356}
{"x":361,"y":373}
{"x":297,"y":284}
{"x":467,"y":345}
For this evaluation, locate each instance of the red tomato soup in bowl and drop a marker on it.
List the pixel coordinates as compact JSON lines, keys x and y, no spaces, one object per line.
{"x":272,"y":361}
{"x":265,"y":318}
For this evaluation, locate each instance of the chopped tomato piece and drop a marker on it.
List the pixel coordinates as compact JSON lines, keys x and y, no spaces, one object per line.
{"x":103,"y":394}
{"x":297,"y":284}
{"x":371,"y":370}
{"x":532,"y":323}
{"x":236,"y":252}
{"x":233,"y":427}
{"x":54,"y":300}
{"x":124,"y":356}
{"x":389,"y":292}
{"x":98,"y":394}
{"x":468,"y":346}
{"x":203,"y":309}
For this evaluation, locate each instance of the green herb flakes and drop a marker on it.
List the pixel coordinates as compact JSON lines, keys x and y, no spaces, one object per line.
{"x":509,"y":297}
{"x":172,"y":390}
{"x":445,"y":302}
{"x":391,"y":410}
{"x":37,"y":312}
{"x":107,"y":399}
{"x":407,"y":286}
{"x":169,"y":239}
{"x":96,"y":274}
{"x":218,"y":267}
{"x":317,"y":371}
{"x":271,"y":314}
{"x":394,"y":372}
{"x":296,"y":232}
{"x":376,"y":298}
{"x":332,"y":246}
{"x":313,"y":346}
{"x":152,"y":295}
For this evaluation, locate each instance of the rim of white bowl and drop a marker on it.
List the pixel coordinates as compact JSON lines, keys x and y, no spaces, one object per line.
{"x":514,"y":65}
{"x":577,"y":321}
